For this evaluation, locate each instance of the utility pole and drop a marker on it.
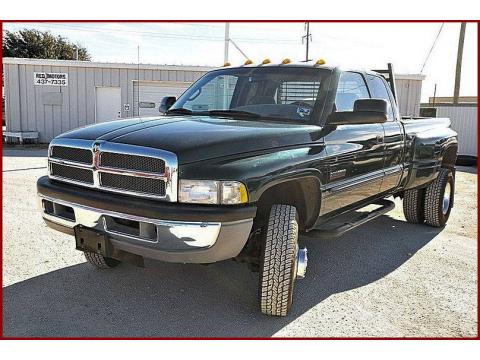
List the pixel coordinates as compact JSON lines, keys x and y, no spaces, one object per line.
{"x":307,"y":37}
{"x":458,"y":69}
{"x":227,"y":41}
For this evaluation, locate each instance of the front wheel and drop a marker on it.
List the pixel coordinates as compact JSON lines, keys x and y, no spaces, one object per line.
{"x":281,"y":261}
{"x":99,"y":261}
{"x":439,"y":199}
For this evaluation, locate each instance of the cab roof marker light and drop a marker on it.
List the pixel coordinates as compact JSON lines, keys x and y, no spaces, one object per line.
{"x":320,"y":62}
{"x":286,"y":61}
{"x":266,"y":61}
{"x":248,"y":62}
{"x":227,"y":64}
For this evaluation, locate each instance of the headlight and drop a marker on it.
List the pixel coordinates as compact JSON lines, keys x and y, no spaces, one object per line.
{"x":212,"y":192}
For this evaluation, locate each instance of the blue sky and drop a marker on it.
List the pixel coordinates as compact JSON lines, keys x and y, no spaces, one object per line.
{"x":362,"y":45}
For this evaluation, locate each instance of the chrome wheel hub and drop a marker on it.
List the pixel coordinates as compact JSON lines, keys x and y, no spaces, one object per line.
{"x":302,"y":261}
{"x":446,"y":198}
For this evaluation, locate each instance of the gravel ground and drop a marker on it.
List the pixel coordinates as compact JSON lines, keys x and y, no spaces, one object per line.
{"x":387,"y":278}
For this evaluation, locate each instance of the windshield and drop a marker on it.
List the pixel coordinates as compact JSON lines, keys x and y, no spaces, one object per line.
{"x":288,"y":93}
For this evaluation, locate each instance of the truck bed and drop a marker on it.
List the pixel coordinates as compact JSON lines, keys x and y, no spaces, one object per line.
{"x":421,"y":124}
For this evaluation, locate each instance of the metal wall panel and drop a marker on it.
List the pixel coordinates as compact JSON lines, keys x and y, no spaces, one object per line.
{"x":23,"y":99}
{"x":57,"y":109}
{"x":26,"y":111}
{"x":90,"y":94}
{"x":81,"y":96}
{"x":39,"y":111}
{"x":408,"y":96}
{"x":464,"y":122}
{"x":12,"y":93}
{"x":6,"y":78}
{"x":73,"y":99}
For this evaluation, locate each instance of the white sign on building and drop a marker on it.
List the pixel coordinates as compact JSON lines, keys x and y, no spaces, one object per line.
{"x":53,"y":79}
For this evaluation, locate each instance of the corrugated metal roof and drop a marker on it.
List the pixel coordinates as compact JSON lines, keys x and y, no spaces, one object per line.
{"x":90,"y":64}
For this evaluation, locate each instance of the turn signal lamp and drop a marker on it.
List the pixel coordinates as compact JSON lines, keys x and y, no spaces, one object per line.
{"x":266,"y":61}
{"x":286,"y":61}
{"x":248,"y":62}
{"x":320,"y":62}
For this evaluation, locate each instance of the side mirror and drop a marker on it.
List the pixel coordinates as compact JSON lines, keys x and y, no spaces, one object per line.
{"x":375,"y":105}
{"x":365,"y":111}
{"x":166,"y":103}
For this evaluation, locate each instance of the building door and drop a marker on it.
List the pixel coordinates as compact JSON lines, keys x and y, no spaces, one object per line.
{"x":147,"y":95}
{"x":108,"y":104}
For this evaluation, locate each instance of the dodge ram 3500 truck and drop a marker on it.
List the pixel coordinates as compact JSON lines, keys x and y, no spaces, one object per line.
{"x":243,"y":162}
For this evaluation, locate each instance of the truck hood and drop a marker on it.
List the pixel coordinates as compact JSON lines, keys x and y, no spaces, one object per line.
{"x":195,"y":138}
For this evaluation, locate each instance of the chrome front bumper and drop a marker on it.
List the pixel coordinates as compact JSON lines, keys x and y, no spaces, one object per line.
{"x":174,"y":241}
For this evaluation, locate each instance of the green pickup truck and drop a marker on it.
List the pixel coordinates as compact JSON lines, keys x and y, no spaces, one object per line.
{"x":242,"y":163}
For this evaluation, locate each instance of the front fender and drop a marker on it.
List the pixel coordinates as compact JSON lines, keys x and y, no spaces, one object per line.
{"x":260,"y":171}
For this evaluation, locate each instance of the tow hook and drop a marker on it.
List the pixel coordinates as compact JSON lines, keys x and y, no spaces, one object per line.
{"x":302,"y":261}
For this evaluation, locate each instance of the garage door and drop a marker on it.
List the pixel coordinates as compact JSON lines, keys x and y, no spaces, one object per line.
{"x":147,"y":95}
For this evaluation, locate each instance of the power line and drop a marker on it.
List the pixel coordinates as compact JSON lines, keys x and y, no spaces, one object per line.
{"x":431,"y":49}
{"x":160,"y":34}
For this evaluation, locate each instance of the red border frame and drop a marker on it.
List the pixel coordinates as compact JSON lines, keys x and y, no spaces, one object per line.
{"x":2,"y":337}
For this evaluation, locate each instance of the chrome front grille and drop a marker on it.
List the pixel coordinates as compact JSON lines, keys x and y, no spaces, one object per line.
{"x":83,"y":156}
{"x":121,"y":168}
{"x":130,"y":162}
{"x":72,"y":173}
{"x":130,"y":183}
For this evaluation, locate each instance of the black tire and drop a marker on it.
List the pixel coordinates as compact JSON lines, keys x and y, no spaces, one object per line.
{"x":436,"y":210}
{"x":278,"y":261}
{"x":99,"y":261}
{"x":413,"y":206}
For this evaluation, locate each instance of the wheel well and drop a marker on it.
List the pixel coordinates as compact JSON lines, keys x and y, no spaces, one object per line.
{"x":302,"y":193}
{"x":450,"y":157}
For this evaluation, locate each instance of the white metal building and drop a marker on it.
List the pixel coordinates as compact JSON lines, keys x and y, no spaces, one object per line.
{"x":464,"y":118}
{"x":45,"y":98}
{"x":409,"y":91}
{"x":53,"y":96}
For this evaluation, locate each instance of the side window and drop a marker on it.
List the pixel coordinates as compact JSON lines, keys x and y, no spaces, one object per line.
{"x":379,"y":91}
{"x":351,"y":87}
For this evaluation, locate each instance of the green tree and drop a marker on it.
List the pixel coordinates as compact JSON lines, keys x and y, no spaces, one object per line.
{"x":41,"y":45}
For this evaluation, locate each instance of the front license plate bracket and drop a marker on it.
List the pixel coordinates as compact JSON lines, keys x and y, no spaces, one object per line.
{"x":87,"y":239}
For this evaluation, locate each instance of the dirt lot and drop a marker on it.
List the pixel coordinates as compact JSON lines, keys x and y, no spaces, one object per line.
{"x":387,"y":278}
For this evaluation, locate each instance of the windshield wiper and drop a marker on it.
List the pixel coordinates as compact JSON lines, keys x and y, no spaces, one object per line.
{"x":181,"y":111}
{"x":229,"y":113}
{"x":234,"y":113}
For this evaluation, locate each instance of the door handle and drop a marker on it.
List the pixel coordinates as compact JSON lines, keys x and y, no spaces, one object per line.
{"x":379,"y":138}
